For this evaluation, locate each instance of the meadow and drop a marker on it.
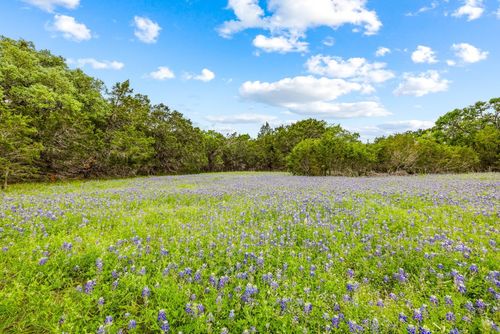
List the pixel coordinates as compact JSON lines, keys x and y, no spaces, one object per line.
{"x":252,"y":253}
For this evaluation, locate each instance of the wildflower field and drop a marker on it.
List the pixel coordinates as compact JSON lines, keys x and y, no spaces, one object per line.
{"x":252,"y":253}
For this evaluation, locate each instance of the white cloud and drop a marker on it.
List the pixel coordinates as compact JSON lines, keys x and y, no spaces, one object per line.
{"x":385,"y":129}
{"x":280,"y":44}
{"x":249,"y":15}
{"x":98,"y":65}
{"x":308,"y":95}
{"x":241,"y":119}
{"x":339,"y":110}
{"x":469,"y":53}
{"x":422,"y":84}
{"x":162,"y":73}
{"x":299,"y":89}
{"x":146,"y":30}
{"x":424,"y":54}
{"x":329,"y":41}
{"x":50,"y":5}
{"x":473,"y":9}
{"x":497,"y":13}
{"x":206,"y":75}
{"x":424,"y":9}
{"x":70,"y":28}
{"x":292,"y":18}
{"x":356,"y":69}
{"x":382,"y":51}
{"x":451,"y":62}
{"x":409,"y":125}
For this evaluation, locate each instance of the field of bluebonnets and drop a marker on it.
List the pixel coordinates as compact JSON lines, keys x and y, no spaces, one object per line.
{"x":252,"y":253}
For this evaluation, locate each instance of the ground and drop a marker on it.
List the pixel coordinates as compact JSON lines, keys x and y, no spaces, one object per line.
{"x":254,"y":252}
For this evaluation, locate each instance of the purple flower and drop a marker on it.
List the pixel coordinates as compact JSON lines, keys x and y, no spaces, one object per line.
{"x":108,"y":320}
{"x":99,"y":264}
{"x":417,"y":315}
{"x":165,"y":326}
{"x":336,"y":321}
{"x":307,"y":308}
{"x":354,"y":327}
{"x":423,"y":330}
{"x":411,"y":329}
{"x":480,"y":304}
{"x":189,"y":309}
{"x":43,"y":260}
{"x":132,"y":324}
{"x":162,"y":316}
{"x":146,"y":292}
{"x":89,"y":286}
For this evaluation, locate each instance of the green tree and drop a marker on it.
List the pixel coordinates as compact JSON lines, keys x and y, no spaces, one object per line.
{"x":18,"y":151}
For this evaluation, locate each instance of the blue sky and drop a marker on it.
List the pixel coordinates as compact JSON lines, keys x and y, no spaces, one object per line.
{"x":373,"y":66}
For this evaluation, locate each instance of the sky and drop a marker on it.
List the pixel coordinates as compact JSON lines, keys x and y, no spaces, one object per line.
{"x":373,"y":66}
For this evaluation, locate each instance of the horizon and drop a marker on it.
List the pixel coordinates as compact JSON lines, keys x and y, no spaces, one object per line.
{"x":232,"y":66}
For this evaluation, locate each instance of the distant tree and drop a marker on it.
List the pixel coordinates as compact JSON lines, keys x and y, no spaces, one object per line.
{"x":305,"y":158}
{"x":127,"y":145}
{"x":179,"y":147}
{"x":18,"y":151}
{"x":63,"y":105}
{"x":396,"y":153}
{"x":487,"y":145}
{"x":214,"y":144}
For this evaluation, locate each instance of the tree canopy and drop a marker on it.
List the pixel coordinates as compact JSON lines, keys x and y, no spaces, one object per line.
{"x":57,"y":122}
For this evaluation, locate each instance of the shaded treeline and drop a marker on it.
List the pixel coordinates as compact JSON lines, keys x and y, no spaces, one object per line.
{"x":56,"y":122}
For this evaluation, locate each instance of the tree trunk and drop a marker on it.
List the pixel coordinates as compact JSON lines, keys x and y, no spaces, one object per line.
{"x":4,"y":185}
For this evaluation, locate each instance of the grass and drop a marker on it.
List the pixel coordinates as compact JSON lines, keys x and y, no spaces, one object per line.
{"x":254,"y":252}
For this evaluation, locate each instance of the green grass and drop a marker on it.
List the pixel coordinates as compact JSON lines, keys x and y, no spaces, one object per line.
{"x":309,"y":234}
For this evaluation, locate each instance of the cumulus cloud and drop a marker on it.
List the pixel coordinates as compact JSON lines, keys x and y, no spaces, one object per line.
{"x":339,"y":110}
{"x":424,"y":54}
{"x":408,"y":125}
{"x":50,"y":5}
{"x":280,"y":44}
{"x":206,"y":75}
{"x":468,"y":53}
{"x":388,"y":128}
{"x":382,"y":51}
{"x":299,"y":89}
{"x":422,"y":84}
{"x":355,"y":69}
{"x":146,"y":30}
{"x":97,"y":64}
{"x":70,"y":28}
{"x":162,"y":73}
{"x":473,"y":9}
{"x":308,"y":95}
{"x":292,"y":18}
{"x":247,"y":118}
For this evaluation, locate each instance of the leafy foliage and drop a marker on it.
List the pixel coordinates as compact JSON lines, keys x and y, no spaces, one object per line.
{"x":69,"y":125}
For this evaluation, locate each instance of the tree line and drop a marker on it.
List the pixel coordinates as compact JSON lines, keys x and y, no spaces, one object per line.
{"x":57,"y":122}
